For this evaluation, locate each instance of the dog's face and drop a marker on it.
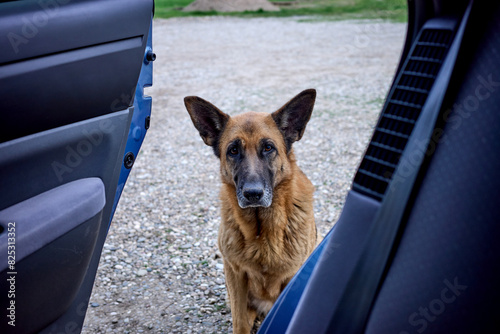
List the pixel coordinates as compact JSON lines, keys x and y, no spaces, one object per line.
{"x":251,"y":153}
{"x":253,"y":147}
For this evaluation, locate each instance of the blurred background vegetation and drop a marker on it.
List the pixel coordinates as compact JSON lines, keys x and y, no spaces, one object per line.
{"x":394,"y":10}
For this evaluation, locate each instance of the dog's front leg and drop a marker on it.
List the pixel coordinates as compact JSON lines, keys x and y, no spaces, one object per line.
{"x":237,"y":285}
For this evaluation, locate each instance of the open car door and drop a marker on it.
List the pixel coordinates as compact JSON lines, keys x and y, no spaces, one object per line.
{"x":72,"y":117}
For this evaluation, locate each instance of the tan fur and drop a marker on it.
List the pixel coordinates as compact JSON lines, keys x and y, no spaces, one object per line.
{"x":262,"y":247}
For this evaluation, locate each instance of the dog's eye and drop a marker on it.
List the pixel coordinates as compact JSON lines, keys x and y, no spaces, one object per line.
{"x":233,"y":151}
{"x":268,"y":148}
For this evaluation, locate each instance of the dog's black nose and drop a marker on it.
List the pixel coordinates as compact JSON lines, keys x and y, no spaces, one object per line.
{"x":253,"y":194}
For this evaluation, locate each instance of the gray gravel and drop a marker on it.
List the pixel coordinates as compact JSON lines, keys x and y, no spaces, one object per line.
{"x":160,"y":271}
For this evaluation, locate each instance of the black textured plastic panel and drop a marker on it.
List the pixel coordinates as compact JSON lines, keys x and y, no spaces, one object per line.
{"x":446,"y":262}
{"x":83,"y":63}
{"x":401,"y":111}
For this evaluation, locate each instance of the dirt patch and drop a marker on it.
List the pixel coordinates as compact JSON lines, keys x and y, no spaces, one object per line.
{"x":230,"y":6}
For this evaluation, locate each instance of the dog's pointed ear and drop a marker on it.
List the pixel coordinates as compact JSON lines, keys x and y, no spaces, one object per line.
{"x":207,"y":119}
{"x":292,"y":118}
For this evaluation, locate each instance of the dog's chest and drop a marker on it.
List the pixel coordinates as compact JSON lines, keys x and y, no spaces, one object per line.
{"x":268,"y":256}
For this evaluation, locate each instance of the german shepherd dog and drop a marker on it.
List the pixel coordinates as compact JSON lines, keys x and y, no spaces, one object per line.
{"x":267,"y":229}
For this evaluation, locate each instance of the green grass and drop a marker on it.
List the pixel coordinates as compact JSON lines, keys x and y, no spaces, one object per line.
{"x":170,"y":8}
{"x":395,"y":10}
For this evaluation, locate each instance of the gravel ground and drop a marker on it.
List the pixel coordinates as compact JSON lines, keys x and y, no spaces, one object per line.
{"x":160,"y":271}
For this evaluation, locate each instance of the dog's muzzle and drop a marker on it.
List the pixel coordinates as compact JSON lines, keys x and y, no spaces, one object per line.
{"x":254,"y":195}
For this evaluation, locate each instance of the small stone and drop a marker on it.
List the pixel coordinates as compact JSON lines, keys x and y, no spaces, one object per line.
{"x":141,"y":272}
{"x":94,"y":304}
